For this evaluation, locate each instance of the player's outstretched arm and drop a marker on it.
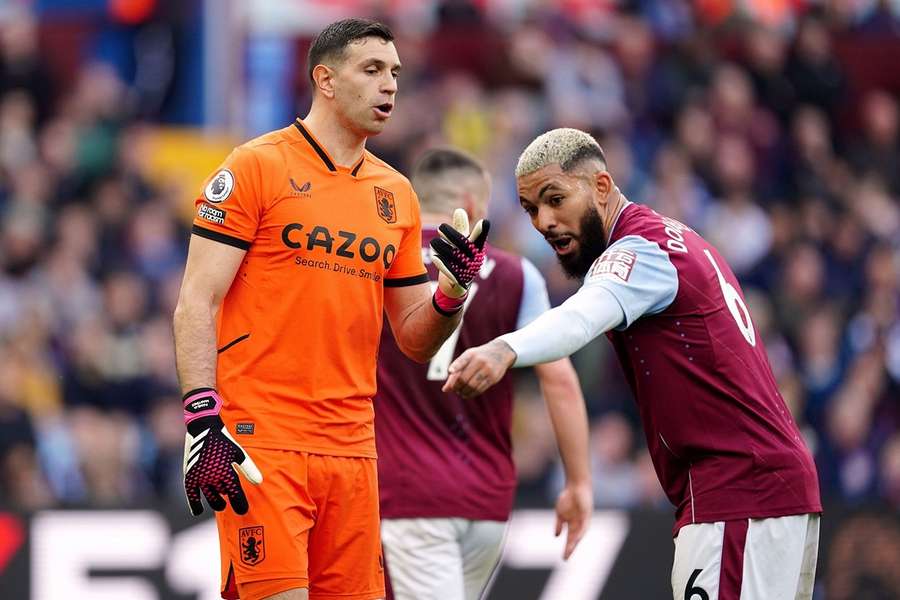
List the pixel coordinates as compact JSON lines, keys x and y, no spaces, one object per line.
{"x":554,"y":335}
{"x":211,"y":456}
{"x":565,"y":403}
{"x":478,"y":368}
{"x":420,"y":320}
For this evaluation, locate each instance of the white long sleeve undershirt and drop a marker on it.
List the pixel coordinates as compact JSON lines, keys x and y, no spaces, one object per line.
{"x":565,"y":329}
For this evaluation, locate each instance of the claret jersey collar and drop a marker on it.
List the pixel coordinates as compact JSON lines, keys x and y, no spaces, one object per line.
{"x":615,"y":222}
{"x":323,"y":154}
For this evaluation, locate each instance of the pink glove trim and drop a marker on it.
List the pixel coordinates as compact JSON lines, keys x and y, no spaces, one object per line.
{"x":447,"y":304}
{"x":201,"y":403}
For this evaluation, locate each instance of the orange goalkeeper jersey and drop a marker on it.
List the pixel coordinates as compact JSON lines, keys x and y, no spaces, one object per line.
{"x":299,"y":328}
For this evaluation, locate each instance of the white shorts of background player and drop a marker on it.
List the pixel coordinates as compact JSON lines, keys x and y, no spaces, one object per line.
{"x":778,"y":557}
{"x":441,"y":559}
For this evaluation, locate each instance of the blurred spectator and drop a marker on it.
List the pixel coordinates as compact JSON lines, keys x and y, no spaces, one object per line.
{"x":880,"y":17}
{"x":766,"y":54}
{"x":21,"y":480}
{"x":813,"y":162}
{"x":695,"y":133}
{"x":737,"y":225}
{"x":822,"y":360}
{"x":863,"y":559}
{"x":535,"y":453}
{"x":585,"y":88}
{"x":812,"y":68}
{"x":878,"y":150}
{"x":17,"y":120}
{"x":890,"y":472}
{"x":21,"y":65}
{"x":740,"y":120}
{"x":616,"y":482}
{"x":165,"y":447}
{"x":105,"y":446}
{"x":676,"y":190}
{"x":780,"y":355}
{"x":650,"y":492}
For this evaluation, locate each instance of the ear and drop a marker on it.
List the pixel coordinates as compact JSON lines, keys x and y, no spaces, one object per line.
{"x":478,"y":197}
{"x":470,"y":205}
{"x":603,"y":185}
{"x":485,"y":199}
{"x":323,"y":80}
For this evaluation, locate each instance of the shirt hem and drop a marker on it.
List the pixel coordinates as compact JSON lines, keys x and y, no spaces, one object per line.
{"x":468,"y":517}
{"x":310,"y":449}
{"x":746,"y":514}
{"x":370,"y":595}
{"x":416,"y":512}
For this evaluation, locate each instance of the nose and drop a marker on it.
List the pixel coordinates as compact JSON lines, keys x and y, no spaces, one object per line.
{"x":390,"y":85}
{"x":545,"y":220}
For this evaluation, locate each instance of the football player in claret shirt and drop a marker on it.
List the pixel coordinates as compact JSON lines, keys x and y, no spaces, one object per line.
{"x":725,"y":448}
{"x":445,"y":468}
{"x":300,"y":241}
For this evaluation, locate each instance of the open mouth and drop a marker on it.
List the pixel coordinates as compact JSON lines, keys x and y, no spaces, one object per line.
{"x":562,"y":244}
{"x":383,"y":110}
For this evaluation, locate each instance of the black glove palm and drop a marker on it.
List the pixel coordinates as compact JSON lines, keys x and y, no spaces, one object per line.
{"x":458,"y":254}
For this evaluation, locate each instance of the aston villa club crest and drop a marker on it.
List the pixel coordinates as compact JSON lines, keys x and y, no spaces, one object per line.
{"x":253,"y":545}
{"x":384,"y":204}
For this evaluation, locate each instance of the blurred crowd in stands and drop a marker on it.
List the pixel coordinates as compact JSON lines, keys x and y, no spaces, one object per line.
{"x":756,"y":130}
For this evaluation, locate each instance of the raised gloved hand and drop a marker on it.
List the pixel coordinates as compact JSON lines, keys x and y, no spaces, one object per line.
{"x":212,"y":458}
{"x":458,"y":255}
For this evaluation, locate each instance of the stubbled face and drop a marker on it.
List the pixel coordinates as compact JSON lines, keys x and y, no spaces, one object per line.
{"x":365,"y":84}
{"x":561,"y":207}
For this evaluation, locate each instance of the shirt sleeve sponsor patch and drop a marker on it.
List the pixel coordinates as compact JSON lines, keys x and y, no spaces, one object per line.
{"x":613,"y":264}
{"x":219,"y":187}
{"x":211,"y":214}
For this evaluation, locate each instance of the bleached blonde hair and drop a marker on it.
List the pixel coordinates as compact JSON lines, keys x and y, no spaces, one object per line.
{"x":565,"y":147}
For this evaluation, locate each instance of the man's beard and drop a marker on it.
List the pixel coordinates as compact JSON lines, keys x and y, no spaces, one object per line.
{"x":591,"y":244}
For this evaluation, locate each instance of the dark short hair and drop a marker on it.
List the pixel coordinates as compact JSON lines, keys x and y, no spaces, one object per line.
{"x":438,"y":160}
{"x":332,"y":41}
{"x":582,"y":154}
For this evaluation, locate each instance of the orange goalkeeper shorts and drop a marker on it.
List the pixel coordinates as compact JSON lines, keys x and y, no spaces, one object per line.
{"x":313,"y":522}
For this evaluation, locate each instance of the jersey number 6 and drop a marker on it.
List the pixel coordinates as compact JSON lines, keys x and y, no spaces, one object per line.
{"x":735,"y":303}
{"x":695,"y":591}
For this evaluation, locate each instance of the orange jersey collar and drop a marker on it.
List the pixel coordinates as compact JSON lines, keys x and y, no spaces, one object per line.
{"x":323,"y":154}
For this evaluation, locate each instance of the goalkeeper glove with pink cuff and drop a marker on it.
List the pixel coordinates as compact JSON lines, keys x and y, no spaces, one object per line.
{"x":212,"y":458}
{"x":458,"y":255}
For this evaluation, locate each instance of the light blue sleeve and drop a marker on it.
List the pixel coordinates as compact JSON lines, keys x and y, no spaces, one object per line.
{"x":535,"y":301}
{"x":639,"y":274}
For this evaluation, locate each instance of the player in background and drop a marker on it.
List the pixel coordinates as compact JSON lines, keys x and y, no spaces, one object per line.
{"x":445,"y":469}
{"x":300,"y":242}
{"x":725,"y":448}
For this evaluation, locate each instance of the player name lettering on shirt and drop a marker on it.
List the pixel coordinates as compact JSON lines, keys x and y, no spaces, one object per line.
{"x":614,"y":264}
{"x":675,"y":232}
